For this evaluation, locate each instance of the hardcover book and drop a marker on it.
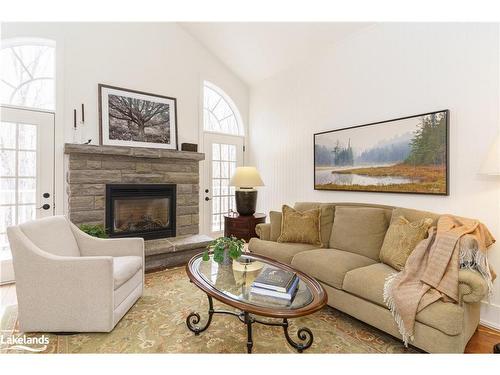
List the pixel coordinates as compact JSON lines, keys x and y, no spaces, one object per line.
{"x":287,"y":296}
{"x":275,"y":279}
{"x":267,"y":300}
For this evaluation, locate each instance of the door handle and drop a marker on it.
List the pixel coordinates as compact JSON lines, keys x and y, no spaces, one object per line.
{"x":46,"y":206}
{"x":207,"y":199}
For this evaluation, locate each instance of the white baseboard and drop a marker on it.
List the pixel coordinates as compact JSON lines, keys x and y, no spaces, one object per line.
{"x":490,"y":315}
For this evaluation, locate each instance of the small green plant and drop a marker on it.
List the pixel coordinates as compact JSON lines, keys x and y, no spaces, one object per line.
{"x":232,"y":245}
{"x":95,"y":230}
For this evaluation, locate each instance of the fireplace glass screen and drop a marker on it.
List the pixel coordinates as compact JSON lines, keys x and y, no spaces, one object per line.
{"x":140,"y":215}
{"x":139,"y":210}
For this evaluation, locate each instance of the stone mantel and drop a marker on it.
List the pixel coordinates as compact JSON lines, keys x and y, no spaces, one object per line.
{"x":137,"y":152}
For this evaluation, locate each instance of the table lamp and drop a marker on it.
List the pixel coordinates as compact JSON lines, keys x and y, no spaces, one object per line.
{"x":245,"y":179}
{"x":491,"y":166}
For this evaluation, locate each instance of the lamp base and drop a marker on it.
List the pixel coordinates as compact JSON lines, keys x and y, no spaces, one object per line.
{"x":246,"y":201}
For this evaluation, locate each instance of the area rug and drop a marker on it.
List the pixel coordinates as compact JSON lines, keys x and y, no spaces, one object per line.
{"x":156,"y":324}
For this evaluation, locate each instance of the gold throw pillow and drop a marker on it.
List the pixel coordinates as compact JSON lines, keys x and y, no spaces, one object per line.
{"x":401,"y":239}
{"x":300,"y":227}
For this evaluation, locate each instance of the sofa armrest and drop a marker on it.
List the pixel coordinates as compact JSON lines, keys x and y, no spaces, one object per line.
{"x":263,"y":231}
{"x":115,"y":247}
{"x":471,"y":286}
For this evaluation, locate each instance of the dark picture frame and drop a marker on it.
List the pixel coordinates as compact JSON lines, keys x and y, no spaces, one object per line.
{"x":154,"y":127}
{"x":405,"y":155}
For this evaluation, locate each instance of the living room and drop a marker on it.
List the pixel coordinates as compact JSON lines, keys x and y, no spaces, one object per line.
{"x":220,"y":185}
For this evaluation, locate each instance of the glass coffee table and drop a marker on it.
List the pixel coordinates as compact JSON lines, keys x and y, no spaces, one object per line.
{"x":231,"y":285}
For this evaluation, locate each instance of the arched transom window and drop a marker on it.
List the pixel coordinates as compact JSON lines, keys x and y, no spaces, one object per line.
{"x":27,"y":70}
{"x":219,"y":112}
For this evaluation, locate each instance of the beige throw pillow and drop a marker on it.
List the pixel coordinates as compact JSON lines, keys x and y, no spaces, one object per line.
{"x":300,"y":227}
{"x":401,"y":239}
{"x":327,"y":213}
{"x":359,"y":230}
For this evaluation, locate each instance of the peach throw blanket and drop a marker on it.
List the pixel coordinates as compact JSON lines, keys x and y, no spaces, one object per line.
{"x":431,"y":271}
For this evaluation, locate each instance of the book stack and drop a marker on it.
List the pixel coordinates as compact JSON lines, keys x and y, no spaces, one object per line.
{"x":272,"y":283}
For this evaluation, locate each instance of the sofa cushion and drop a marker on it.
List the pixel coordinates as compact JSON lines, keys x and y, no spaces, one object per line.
{"x":326,"y":220}
{"x":124,"y":268}
{"x":401,"y":239}
{"x":368,"y":283}
{"x":52,"y":234}
{"x":275,"y":220}
{"x":329,"y":265}
{"x":282,"y":252}
{"x":359,"y":230}
{"x":300,"y":227}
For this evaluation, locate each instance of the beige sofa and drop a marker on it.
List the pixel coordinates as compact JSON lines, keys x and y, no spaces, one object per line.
{"x":349,"y":269}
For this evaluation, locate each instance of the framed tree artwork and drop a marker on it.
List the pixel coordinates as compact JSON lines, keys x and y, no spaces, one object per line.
{"x":404,"y":155}
{"x":135,"y":118}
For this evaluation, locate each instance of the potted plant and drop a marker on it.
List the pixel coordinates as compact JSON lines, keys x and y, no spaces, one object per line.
{"x":225,"y":249}
{"x":95,"y":230}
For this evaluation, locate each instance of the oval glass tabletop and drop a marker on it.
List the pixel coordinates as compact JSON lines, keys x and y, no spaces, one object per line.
{"x":235,"y":281}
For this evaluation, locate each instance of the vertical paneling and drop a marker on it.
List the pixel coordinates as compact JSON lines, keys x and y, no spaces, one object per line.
{"x":384,"y":72}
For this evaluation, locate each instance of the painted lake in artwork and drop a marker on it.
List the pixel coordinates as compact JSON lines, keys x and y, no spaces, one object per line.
{"x":329,"y":176}
{"x":406,"y":155}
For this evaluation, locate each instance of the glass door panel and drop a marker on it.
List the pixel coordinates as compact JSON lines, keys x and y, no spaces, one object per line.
{"x":223,"y":154}
{"x":26,"y":173}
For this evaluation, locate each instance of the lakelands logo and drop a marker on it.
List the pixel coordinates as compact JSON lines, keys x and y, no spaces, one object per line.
{"x":24,"y":343}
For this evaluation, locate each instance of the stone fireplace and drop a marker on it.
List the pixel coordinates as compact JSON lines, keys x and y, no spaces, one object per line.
{"x":152,"y":193}
{"x":141,"y":210}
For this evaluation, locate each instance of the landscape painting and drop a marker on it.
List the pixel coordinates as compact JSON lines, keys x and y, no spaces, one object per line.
{"x":134,"y":118}
{"x":405,"y":155}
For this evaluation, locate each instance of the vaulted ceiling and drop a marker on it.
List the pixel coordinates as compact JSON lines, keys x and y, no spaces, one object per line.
{"x":256,"y":51}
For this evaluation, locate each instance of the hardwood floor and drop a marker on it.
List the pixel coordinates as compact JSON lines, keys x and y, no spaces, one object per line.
{"x":481,"y":342}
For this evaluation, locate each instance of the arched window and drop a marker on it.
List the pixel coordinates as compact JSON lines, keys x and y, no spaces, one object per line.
{"x":27,"y":73}
{"x":219,"y":112}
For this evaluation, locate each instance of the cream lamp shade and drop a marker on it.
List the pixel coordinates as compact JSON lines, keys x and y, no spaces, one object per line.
{"x":246,"y":177}
{"x":491,"y":164}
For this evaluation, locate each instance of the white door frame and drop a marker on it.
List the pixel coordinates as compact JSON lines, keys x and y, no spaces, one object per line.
{"x":206,"y":174}
{"x":45,"y":165}
{"x":201,"y":148}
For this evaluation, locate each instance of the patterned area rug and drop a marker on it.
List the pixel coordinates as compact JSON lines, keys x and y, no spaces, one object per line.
{"x":156,"y":324}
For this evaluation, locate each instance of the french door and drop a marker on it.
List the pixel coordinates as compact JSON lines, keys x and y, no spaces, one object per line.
{"x":223,"y":153}
{"x":26,"y":173}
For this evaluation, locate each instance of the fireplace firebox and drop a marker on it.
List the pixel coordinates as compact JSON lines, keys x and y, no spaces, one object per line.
{"x":137,"y":210}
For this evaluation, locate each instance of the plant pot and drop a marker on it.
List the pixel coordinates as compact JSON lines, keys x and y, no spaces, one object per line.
{"x":225,"y":276}
{"x":228,"y":261}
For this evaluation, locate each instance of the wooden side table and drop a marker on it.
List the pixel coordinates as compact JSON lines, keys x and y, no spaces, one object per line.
{"x":242,"y":226}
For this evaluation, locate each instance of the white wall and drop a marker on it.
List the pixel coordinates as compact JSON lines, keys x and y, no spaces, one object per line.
{"x":383,"y":72}
{"x":159,"y":58}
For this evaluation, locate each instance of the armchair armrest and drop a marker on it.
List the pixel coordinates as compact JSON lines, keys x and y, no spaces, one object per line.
{"x":263,"y":231}
{"x":471,"y":286}
{"x":92,"y":246}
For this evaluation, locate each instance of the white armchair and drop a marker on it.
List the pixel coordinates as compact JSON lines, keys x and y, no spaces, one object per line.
{"x":68,"y":281}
